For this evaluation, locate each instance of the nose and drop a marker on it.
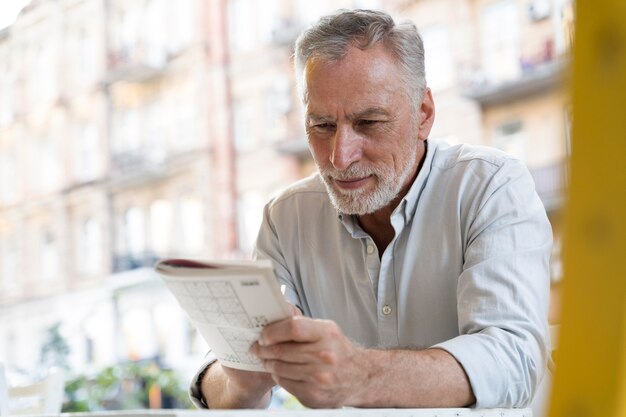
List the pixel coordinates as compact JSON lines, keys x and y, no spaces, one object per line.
{"x":347,"y":147}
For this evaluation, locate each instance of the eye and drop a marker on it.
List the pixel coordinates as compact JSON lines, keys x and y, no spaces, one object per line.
{"x":366,"y":122}
{"x":322,"y":127}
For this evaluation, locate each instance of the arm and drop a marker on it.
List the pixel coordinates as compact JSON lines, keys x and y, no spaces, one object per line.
{"x":503,"y":291}
{"x":314,"y":360}
{"x":224,"y":387}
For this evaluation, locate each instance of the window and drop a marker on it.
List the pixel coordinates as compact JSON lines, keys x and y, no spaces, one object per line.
{"x":8,"y":176}
{"x":155,"y":131}
{"x":181,"y":21}
{"x":6,"y":93}
{"x":127,"y":138}
{"x":86,"y":152}
{"x":49,"y":262}
{"x":49,"y":165}
{"x":86,"y":54}
{"x":500,"y":45}
{"x":267,"y":19}
{"x":510,"y":138}
{"x":252,"y":23}
{"x":160,"y":226}
{"x":9,"y":263}
{"x":89,"y":247}
{"x":155,"y":36}
{"x":127,"y":34}
{"x":437,"y":56}
{"x":192,"y":225}
{"x":277,"y":104}
{"x":134,"y":231}
{"x":243,"y":125}
{"x":185,"y":119}
{"x":44,"y":72}
{"x":241,"y":16}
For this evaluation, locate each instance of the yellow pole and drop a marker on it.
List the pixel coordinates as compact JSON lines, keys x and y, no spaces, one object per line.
{"x":590,"y":378}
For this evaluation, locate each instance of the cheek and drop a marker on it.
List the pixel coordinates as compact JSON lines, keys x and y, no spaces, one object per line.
{"x":392,"y":148}
{"x":319,"y":151}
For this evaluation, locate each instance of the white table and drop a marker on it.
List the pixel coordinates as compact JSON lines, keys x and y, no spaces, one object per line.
{"x":344,"y":412}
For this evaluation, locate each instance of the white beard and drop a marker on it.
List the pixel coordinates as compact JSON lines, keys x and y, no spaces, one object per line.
{"x":359,"y":202}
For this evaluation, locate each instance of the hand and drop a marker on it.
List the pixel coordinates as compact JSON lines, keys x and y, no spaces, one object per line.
{"x":225,"y":387}
{"x":313,"y":360}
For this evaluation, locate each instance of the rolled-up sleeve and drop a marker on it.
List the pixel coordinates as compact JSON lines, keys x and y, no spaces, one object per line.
{"x":195,"y":387}
{"x":503,"y":292}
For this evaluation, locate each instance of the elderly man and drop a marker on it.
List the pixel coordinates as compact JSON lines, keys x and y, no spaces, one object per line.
{"x":420,"y":269}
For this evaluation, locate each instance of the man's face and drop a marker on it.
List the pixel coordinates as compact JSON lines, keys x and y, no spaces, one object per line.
{"x":365,"y":137}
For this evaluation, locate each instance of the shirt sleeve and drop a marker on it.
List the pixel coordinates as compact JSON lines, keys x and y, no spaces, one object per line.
{"x":195,"y":391}
{"x":503,"y":292}
{"x":268,"y":247}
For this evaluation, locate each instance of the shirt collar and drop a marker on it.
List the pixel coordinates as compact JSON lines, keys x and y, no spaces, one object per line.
{"x":408,"y":204}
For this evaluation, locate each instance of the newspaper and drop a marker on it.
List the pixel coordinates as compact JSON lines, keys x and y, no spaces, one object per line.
{"x":229,"y":302}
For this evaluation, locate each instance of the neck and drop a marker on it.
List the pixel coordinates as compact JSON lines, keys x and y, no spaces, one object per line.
{"x":378,"y":224}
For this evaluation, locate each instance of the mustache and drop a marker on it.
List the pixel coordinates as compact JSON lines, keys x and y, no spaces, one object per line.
{"x":353,"y":171}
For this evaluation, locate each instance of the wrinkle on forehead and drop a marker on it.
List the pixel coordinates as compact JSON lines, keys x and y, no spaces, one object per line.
{"x":352,"y":89}
{"x":374,"y":67}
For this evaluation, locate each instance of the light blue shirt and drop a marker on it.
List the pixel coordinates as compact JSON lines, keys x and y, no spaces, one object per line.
{"x":467,"y":270}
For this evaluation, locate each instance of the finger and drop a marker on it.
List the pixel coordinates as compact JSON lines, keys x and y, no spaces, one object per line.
{"x":293,"y":329}
{"x":297,"y":372}
{"x":295,"y":311}
{"x":292,"y":352}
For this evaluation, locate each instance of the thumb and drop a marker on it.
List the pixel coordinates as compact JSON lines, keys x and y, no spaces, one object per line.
{"x":295,"y":311}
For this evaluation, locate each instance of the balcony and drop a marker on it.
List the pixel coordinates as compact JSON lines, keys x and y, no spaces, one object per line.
{"x":135,"y":64}
{"x":136,"y":167}
{"x":539,"y":73}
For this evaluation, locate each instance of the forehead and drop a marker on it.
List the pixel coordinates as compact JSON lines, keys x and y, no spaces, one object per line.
{"x":362,"y":78}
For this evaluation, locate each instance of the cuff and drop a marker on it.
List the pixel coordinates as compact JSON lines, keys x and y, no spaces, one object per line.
{"x":485,"y":373}
{"x":195,"y":390}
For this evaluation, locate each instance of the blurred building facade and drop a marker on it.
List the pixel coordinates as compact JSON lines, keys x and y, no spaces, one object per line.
{"x":137,"y":129}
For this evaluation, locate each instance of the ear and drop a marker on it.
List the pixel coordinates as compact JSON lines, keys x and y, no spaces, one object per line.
{"x":426,"y":115}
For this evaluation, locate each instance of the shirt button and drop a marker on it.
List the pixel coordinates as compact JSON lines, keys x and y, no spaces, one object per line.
{"x":386,"y":310}
{"x":370,"y":249}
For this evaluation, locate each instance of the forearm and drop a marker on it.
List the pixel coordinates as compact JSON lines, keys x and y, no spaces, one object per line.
{"x":221,"y":390}
{"x":413,"y":379}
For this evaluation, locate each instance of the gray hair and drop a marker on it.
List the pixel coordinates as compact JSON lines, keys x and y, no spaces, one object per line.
{"x":330,"y":37}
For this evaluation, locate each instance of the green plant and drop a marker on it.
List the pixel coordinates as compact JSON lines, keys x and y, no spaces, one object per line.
{"x":55,"y":350}
{"x":124,"y":386}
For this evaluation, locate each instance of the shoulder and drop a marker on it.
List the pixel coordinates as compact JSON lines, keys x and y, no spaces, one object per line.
{"x":471,"y":160}
{"x":450,"y":156}
{"x":305,"y":191}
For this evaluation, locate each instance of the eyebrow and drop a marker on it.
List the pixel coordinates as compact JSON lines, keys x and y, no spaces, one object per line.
{"x":369,"y":112}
